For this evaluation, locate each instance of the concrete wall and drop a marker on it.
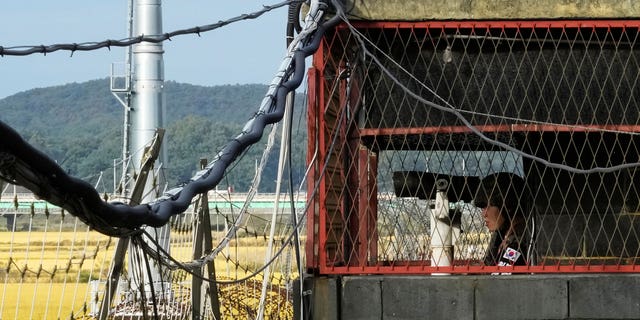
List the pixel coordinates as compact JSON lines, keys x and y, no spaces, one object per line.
{"x":609,"y":296}
{"x":492,"y":9}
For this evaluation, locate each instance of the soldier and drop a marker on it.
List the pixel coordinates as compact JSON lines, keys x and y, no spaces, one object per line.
{"x":502,"y":198}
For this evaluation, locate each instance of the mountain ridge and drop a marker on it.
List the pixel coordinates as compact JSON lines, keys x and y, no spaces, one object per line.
{"x":80,"y":125}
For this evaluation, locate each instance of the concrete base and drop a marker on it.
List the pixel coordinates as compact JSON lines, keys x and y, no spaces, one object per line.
{"x":597,"y":296}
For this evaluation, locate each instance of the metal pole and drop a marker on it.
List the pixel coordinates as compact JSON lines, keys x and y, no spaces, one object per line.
{"x":147,"y":114}
{"x":196,"y":279}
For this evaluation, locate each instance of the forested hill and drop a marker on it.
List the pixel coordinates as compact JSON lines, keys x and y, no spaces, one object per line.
{"x":80,"y":126}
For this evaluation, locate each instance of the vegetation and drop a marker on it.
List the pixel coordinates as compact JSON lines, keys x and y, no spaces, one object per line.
{"x":79,"y":125}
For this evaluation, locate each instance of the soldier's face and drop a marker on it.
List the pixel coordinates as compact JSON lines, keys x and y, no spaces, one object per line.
{"x":492,"y":217}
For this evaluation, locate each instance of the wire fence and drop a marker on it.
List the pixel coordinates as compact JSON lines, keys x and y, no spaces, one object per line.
{"x":45,"y":253}
{"x":415,"y":119}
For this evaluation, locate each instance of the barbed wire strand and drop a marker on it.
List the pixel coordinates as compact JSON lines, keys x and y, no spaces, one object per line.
{"x":126,"y":42}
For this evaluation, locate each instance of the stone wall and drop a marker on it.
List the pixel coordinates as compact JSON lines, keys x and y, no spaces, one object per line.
{"x":491,"y":9}
{"x":613,"y":296}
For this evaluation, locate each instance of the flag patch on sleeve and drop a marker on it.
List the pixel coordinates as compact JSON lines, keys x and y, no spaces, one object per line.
{"x":511,"y":254}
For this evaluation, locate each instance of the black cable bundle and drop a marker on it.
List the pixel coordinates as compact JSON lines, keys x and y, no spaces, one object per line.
{"x":22,"y":164}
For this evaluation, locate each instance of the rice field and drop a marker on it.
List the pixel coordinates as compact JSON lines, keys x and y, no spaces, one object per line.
{"x":47,"y":275}
{"x":53,"y":300}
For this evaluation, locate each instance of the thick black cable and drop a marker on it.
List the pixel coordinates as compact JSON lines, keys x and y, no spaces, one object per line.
{"x":188,"y":266}
{"x":252,"y":134}
{"x":161,"y":211}
{"x":22,"y":164}
{"x":82,"y":200}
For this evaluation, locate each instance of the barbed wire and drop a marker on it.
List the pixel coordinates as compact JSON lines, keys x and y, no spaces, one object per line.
{"x":126,"y":42}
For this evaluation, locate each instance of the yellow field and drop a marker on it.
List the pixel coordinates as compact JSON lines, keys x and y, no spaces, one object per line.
{"x":28,"y":256}
{"x":45,"y":275}
{"x":89,"y":253}
{"x":53,"y":300}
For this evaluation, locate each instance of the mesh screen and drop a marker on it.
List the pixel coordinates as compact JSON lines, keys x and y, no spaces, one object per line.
{"x":418,"y":130}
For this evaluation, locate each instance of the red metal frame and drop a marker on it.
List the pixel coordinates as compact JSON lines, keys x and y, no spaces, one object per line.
{"x":311,"y":244}
{"x":317,"y":233}
{"x":426,"y":269}
{"x":321,"y":156}
{"x":499,"y":128}
{"x":500,"y":24}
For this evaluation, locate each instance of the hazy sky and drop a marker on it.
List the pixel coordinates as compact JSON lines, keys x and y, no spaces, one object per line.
{"x":249,"y":51}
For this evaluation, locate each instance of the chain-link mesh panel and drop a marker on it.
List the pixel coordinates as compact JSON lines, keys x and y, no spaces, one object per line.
{"x":476,"y":147}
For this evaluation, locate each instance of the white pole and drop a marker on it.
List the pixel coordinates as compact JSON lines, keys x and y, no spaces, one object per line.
{"x":441,"y":242}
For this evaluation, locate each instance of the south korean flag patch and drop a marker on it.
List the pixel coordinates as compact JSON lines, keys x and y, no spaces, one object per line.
{"x":511,"y":254}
